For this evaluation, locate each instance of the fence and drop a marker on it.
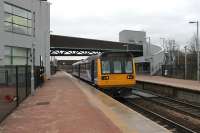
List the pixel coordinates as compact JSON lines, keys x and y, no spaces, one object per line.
{"x":178,"y":71}
{"x":38,"y":76}
{"x":15,"y":86}
{"x":53,"y":69}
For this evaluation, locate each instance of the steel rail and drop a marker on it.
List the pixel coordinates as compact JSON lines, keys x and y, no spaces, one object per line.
{"x":171,"y":124}
{"x":194,"y":111}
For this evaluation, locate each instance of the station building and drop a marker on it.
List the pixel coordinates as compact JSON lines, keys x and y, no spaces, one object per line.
{"x":153,"y":55}
{"x":25,"y":33}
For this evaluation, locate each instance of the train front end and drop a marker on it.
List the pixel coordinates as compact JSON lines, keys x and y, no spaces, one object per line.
{"x":116,"y":70}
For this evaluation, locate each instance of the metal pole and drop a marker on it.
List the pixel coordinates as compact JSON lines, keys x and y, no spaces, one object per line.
{"x":17,"y":85}
{"x":149,"y":46}
{"x":163,"y":39}
{"x":198,"y":50}
{"x":185,"y":62}
{"x":32,"y":73}
{"x":178,"y":56}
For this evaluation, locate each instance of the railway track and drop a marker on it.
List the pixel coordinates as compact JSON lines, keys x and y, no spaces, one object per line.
{"x":167,"y":123}
{"x":176,"y":105}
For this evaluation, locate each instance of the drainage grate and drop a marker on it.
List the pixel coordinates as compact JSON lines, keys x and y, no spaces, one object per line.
{"x":42,"y":103}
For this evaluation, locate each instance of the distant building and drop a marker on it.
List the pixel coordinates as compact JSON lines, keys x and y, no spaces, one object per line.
{"x":153,"y":55}
{"x":25,"y":27}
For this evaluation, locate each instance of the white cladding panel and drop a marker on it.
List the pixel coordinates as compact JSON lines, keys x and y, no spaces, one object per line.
{"x":41,"y":23}
{"x":128,"y":36}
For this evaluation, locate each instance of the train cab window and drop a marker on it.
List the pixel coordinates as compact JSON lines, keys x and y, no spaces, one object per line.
{"x":128,"y":66}
{"x":105,"y":67}
{"x":117,"y":66}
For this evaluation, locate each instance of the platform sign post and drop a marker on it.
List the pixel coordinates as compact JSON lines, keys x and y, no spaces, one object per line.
{"x":185,"y":62}
{"x":197,"y":46}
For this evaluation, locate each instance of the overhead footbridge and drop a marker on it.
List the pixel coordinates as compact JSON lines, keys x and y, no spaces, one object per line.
{"x":74,"y":46}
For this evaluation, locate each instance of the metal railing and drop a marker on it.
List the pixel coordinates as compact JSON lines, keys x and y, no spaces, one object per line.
{"x":15,"y":86}
{"x":178,"y":71}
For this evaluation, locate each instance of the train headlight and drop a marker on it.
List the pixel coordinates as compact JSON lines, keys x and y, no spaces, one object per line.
{"x":105,"y":77}
{"x":130,"y":77}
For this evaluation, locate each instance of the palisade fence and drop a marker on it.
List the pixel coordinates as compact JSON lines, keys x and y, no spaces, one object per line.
{"x":15,"y":86}
{"x":178,"y":71}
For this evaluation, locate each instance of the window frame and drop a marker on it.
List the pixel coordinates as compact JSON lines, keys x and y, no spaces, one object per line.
{"x":123,"y":69}
{"x":13,"y":55}
{"x":28,"y":19}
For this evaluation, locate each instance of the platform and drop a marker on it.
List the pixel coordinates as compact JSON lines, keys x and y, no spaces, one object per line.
{"x":178,"y":83}
{"x":67,"y":105}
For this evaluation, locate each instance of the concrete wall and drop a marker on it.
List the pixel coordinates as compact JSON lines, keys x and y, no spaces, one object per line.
{"x":128,"y":36}
{"x":173,"y":92}
{"x":41,"y":41}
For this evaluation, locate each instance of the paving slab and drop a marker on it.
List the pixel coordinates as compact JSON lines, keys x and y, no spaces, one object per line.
{"x":65,"y":104}
{"x":59,"y":106}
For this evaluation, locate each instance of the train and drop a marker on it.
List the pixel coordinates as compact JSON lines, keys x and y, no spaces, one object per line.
{"x":111,"y":72}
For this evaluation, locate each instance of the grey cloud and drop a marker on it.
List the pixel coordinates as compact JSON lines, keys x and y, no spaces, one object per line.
{"x":170,"y":24}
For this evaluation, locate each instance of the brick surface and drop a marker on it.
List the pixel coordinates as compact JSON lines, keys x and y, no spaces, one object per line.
{"x":68,"y":111}
{"x":186,"y":84}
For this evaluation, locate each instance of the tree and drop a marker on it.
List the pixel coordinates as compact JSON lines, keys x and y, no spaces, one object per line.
{"x":192,"y":45}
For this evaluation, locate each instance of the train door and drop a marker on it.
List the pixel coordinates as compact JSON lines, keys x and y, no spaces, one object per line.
{"x":92,"y":71}
{"x":79,"y":70}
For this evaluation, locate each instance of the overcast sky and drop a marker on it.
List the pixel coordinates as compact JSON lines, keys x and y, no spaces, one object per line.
{"x":104,"y":19}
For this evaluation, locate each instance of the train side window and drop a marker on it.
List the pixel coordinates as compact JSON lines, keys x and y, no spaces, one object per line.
{"x":95,"y":69}
{"x":128,"y":66}
{"x":117,"y":66}
{"x":105,"y":67}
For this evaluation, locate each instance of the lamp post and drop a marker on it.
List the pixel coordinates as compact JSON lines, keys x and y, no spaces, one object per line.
{"x":163,"y":39}
{"x":148,"y":48}
{"x":197,"y":45}
{"x":185,"y":62}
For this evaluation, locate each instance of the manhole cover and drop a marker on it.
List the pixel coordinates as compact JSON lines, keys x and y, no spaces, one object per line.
{"x":42,"y":103}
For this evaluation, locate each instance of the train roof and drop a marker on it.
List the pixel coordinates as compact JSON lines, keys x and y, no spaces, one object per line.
{"x":93,"y":57}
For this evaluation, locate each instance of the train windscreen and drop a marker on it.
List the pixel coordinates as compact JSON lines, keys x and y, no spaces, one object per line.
{"x":116,"y":63}
{"x":105,"y":66}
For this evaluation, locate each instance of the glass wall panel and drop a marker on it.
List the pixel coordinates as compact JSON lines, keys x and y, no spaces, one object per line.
{"x":19,"y":60}
{"x":29,"y":23}
{"x":29,"y":31}
{"x":19,"y":52}
{"x":8,"y":17}
{"x":29,"y":15}
{"x":20,"y":21}
{"x":7,"y":26}
{"x":7,"y":60}
{"x":19,"y":29}
{"x":17,"y":56}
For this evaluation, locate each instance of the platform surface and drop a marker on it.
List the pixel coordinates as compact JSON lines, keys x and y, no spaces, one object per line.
{"x":180,"y":83}
{"x":67,"y":105}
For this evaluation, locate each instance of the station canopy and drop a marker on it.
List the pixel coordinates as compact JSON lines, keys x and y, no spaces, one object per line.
{"x":74,"y":46}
